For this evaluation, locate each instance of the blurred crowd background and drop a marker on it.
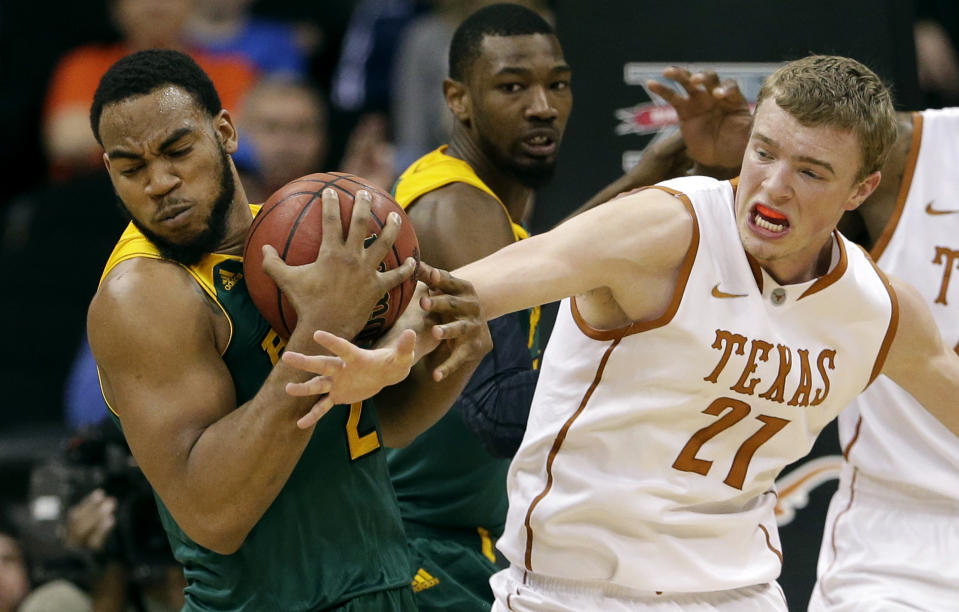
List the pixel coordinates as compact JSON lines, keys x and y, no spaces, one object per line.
{"x":352,"y":85}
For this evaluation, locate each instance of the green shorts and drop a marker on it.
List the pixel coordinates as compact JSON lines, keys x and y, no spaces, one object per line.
{"x":453,"y":572}
{"x":394,"y":600}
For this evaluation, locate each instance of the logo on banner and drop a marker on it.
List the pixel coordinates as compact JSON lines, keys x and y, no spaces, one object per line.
{"x":655,"y":116}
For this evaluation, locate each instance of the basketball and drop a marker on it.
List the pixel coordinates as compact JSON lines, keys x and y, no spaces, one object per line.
{"x":291,"y":221}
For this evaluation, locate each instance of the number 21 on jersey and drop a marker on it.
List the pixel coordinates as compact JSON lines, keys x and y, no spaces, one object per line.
{"x":688,"y":461}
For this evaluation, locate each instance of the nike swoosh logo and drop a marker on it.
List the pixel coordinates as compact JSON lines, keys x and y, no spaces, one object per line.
{"x":932,"y":211}
{"x":722,"y":294}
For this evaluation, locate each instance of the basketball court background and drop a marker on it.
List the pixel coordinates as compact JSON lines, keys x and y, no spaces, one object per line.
{"x":614,"y":45}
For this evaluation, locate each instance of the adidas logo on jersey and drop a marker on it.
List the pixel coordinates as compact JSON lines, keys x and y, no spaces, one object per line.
{"x":423,"y":580}
{"x":230,"y":278}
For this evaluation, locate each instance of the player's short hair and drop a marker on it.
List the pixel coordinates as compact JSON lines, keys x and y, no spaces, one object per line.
{"x":503,"y":19}
{"x":142,"y":72}
{"x":829,"y":90}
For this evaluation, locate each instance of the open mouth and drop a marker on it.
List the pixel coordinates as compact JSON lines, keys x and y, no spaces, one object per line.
{"x":769,"y":219}
{"x":540,"y":144}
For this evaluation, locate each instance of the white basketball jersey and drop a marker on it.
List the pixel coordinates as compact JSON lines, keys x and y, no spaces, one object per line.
{"x":887,"y":433}
{"x":651,"y":451}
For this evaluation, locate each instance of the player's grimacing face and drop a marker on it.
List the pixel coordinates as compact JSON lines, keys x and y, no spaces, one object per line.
{"x":796,"y":182}
{"x":166,"y":160}
{"x":521,"y":99}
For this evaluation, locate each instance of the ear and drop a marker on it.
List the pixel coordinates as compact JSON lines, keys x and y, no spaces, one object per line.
{"x":863,"y":190}
{"x":106,"y":162}
{"x":458,"y":100}
{"x":226,"y":131}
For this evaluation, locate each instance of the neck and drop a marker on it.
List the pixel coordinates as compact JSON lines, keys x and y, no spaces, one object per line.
{"x":238,"y":224}
{"x":789,"y":273}
{"x":514,"y":194}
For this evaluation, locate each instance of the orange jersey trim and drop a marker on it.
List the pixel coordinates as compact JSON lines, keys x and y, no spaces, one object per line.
{"x":907,"y":175}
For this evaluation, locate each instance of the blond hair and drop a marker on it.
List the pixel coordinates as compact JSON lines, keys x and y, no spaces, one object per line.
{"x":834,"y":91}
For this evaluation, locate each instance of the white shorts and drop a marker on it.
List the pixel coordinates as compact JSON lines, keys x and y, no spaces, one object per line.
{"x":519,"y":591}
{"x":885,"y":549}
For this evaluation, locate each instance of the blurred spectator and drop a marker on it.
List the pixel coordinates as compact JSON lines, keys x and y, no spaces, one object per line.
{"x":936,"y":32}
{"x":96,"y":532}
{"x":226,"y":27}
{"x":53,"y":242}
{"x":143,"y":24}
{"x":83,"y":400}
{"x":14,"y":579}
{"x":285,"y":123}
{"x":362,"y":81}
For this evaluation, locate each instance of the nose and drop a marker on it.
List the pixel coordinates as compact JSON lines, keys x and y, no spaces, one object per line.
{"x":161,"y":180}
{"x":540,"y":105}
{"x":777,"y":182}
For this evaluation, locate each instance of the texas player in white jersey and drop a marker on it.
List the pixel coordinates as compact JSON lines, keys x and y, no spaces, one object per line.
{"x":650,"y":485}
{"x":892,"y":533}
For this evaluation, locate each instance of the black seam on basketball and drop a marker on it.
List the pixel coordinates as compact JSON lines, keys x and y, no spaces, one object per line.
{"x":286,"y":249}
{"x":396,"y":256}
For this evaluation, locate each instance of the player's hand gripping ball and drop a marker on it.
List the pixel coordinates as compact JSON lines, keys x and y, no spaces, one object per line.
{"x":291,"y":221}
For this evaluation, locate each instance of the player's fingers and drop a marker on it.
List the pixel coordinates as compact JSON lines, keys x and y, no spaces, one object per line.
{"x":317,"y":412}
{"x":394,"y":277}
{"x":678,"y":74}
{"x":273,"y":264}
{"x":342,"y":348}
{"x":323,"y":365}
{"x":461,"y":354}
{"x":453,"y":329}
{"x":730,"y":95}
{"x":379,"y":248}
{"x":318,"y":385}
{"x":706,"y":79}
{"x":332,"y":223}
{"x":360,"y":218}
{"x":443,"y":281}
{"x":102,"y":529}
{"x":665,"y":92}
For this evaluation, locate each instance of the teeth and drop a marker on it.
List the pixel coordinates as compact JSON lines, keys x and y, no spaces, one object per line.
{"x":761,"y":222}
{"x":538,"y":140}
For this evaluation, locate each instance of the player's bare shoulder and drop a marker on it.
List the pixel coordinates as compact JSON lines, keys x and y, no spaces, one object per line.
{"x":459,"y":223}
{"x":456,"y":200}
{"x":144,"y":299}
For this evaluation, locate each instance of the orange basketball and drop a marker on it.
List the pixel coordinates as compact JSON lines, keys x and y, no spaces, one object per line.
{"x":291,"y":221}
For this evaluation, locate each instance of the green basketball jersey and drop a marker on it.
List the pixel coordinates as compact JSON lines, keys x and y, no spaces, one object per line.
{"x":334,"y":532}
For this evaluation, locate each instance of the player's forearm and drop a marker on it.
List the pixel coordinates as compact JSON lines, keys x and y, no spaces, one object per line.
{"x":241,"y":462}
{"x":411,"y":407}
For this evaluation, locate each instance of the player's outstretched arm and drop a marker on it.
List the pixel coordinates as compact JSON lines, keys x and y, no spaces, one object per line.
{"x":920,"y":362}
{"x":632,"y":247}
{"x":158,"y":341}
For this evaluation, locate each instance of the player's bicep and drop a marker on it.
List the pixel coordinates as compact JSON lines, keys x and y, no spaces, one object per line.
{"x":642,"y":234}
{"x":919,"y":360}
{"x":161,"y":371}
